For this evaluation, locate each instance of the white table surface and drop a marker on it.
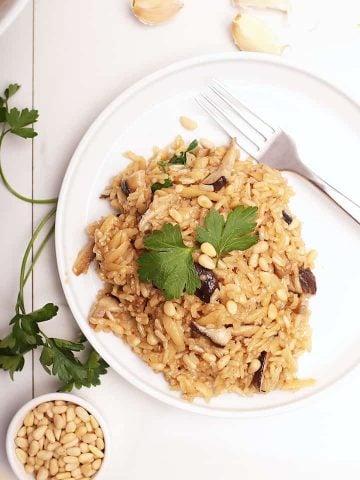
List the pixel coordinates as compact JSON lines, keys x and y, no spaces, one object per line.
{"x":72,"y":57}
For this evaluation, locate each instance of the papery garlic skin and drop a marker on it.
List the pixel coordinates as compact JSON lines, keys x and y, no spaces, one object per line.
{"x":253,"y":35}
{"x":283,"y":5}
{"x":154,"y":12}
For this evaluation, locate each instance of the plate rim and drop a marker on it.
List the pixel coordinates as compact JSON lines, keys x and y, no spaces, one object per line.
{"x":76,"y":158}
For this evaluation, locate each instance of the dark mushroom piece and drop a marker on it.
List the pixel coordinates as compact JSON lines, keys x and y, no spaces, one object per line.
{"x":218,"y":336}
{"x":131,"y":183}
{"x":220,"y":183}
{"x":287,"y":218}
{"x":259,"y":374}
{"x":209,"y":283}
{"x":307,"y":280}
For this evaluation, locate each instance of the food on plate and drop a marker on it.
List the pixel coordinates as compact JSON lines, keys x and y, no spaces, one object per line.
{"x":253,"y":35}
{"x":206,"y":276}
{"x":60,"y":440}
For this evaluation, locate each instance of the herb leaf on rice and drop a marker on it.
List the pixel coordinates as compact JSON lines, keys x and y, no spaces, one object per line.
{"x":233,"y":234}
{"x":169,"y":265}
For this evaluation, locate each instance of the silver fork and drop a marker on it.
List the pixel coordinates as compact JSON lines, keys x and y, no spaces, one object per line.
{"x":264,"y":142}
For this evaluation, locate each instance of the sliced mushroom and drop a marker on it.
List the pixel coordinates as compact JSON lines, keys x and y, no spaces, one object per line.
{"x":218,"y":336}
{"x":287,"y":218}
{"x":220,"y":183}
{"x":307,"y":280}
{"x":134,"y":181}
{"x":84,"y":258}
{"x":107,"y":303}
{"x":209,"y":283}
{"x":259,"y":374}
{"x":226,"y":166}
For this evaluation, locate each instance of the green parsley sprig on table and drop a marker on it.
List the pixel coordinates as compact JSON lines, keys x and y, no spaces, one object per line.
{"x":57,"y":356}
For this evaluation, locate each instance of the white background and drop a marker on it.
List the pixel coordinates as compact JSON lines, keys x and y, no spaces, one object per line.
{"x":72,"y":57}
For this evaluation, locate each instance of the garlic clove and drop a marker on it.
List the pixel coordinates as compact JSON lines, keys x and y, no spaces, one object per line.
{"x":153,"y":12}
{"x":283,"y":5}
{"x":253,"y":35}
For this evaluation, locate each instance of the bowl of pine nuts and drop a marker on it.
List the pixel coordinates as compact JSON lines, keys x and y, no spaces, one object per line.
{"x":57,"y":436}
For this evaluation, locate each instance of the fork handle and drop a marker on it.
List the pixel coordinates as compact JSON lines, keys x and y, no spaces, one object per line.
{"x":350,"y":207}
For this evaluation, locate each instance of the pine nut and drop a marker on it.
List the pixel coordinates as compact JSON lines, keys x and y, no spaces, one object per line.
{"x":31,"y":460}
{"x":21,"y":443}
{"x":204,"y":201}
{"x":21,"y":432}
{"x":221,"y":264}
{"x":96,"y":464}
{"x":175,"y":215}
{"x":98,"y":453}
{"x":169,"y":309}
{"x":254,"y":366}
{"x":87,"y":470}
{"x":94,"y":422}
{"x":34,"y":448}
{"x":29,"y":468}
{"x":89,"y":437}
{"x":42,"y":474}
{"x":53,"y":446}
{"x":43,"y":407}
{"x":60,"y":451}
{"x":253,"y":260}
{"x":209,"y":357}
{"x":70,"y":414}
{"x":260,"y":247}
{"x":151,"y":340}
{"x":39,"y":432}
{"x":272,"y":311}
{"x":86,"y":457}
{"x":63,"y":476}
{"x":39,"y":462}
{"x":231,"y":307}
{"x":70,"y":459}
{"x":100,"y":443}
{"x":38,"y":415}
{"x":68,"y":437}
{"x":84,"y":447}
{"x":80,"y":431}
{"x":49,"y":434}
{"x":99,"y":432}
{"x":58,"y":421}
{"x":59,"y":409}
{"x":57,"y":433}
{"x":89,"y":427}
{"x":69,"y":467}
{"x":82,"y":414}
{"x":208,"y":249}
{"x":282,"y":294}
{"x":54,"y":467}
{"x":223,"y":361}
{"x":41,"y":442}
{"x":21,"y":455}
{"x":76,"y":473}
{"x":206,"y":262}
{"x":263,"y":264}
{"x":71,"y":444}
{"x":59,"y":402}
{"x":44,"y":455}
{"x":73,"y":451}
{"x":29,"y":420}
{"x":188,"y":123}
{"x":70,"y":427}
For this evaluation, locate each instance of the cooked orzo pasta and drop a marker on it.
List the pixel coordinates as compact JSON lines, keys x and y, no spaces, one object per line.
{"x":246,"y":324}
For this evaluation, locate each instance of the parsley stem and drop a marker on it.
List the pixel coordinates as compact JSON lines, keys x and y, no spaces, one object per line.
{"x":20,"y":300}
{"x":38,"y":253}
{"x":13,"y":191}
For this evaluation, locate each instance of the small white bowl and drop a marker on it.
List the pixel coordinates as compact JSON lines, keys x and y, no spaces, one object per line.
{"x":17,"y":421}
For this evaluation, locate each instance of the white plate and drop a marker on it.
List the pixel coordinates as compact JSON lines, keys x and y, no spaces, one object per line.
{"x":324,"y":123}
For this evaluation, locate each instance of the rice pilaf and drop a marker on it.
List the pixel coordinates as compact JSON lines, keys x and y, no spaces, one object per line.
{"x":260,"y":304}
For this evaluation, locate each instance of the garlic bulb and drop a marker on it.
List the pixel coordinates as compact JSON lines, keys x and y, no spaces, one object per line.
{"x":153,"y":12}
{"x":283,"y":5}
{"x":253,"y":35}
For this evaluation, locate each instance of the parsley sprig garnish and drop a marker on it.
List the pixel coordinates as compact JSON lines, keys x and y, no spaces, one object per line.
{"x":179,"y":159}
{"x":169,"y":263}
{"x":234,"y":233}
{"x":57,"y":356}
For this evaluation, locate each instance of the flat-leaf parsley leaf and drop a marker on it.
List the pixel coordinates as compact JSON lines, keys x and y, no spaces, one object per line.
{"x":233,"y":234}
{"x":169,"y":265}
